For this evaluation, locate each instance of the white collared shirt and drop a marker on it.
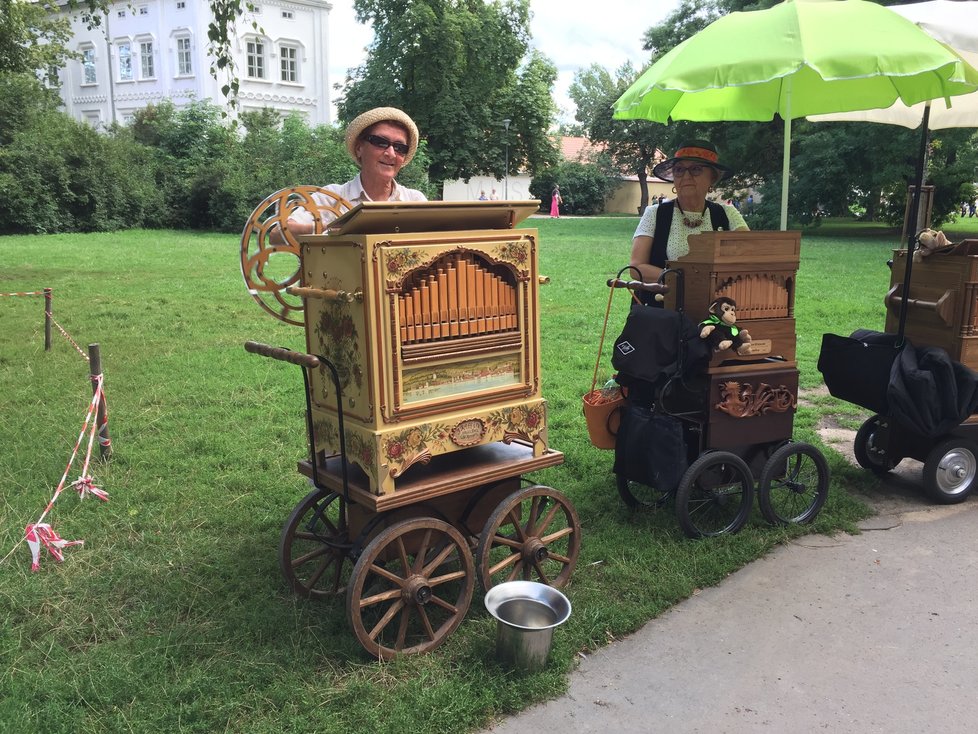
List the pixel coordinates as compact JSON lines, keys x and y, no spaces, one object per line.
{"x":353,"y":192}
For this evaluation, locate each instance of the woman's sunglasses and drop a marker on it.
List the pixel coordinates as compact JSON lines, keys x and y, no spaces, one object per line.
{"x":383,"y":143}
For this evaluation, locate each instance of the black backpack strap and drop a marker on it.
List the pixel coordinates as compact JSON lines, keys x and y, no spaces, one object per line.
{"x":663,"y":221}
{"x":718,"y":216}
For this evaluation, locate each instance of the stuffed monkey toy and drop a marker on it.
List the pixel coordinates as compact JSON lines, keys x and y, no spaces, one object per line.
{"x":720,"y":329}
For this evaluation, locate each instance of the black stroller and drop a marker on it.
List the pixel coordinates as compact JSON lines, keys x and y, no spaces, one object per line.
{"x":923,"y":401}
{"x":672,"y":443}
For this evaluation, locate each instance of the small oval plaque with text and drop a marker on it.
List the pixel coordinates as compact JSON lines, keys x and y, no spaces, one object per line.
{"x":468,"y":432}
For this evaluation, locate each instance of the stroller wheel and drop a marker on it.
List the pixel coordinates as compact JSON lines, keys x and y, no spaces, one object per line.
{"x":715,"y":496}
{"x":638,"y":496}
{"x":794,"y":484}
{"x":950,"y":470}
{"x":870,"y":446}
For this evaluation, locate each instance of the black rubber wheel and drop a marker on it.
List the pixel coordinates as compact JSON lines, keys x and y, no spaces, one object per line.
{"x":638,"y":496}
{"x":794,"y":484}
{"x":715,"y":495}
{"x":869,"y":449}
{"x":950,"y":470}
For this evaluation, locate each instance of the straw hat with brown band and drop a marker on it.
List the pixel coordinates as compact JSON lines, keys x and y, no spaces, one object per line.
{"x":363,"y":122}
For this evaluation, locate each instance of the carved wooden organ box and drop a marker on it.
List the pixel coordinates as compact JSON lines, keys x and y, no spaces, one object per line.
{"x":429,"y":311}
{"x":942,"y":306}
{"x":752,"y":397}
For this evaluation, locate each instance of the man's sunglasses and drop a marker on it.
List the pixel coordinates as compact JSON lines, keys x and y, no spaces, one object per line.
{"x":383,"y":143}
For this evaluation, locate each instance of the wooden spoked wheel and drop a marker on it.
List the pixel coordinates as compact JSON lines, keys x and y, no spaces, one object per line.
{"x":534,"y":535}
{"x":410,"y":588}
{"x":314,"y":548}
{"x":270,"y":252}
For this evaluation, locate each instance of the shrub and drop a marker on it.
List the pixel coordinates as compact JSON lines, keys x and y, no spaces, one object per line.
{"x":584,"y":188}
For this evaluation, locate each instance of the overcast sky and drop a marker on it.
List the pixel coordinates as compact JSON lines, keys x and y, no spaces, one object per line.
{"x":571,"y":33}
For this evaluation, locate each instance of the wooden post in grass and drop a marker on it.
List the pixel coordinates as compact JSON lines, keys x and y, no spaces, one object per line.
{"x":47,"y":319}
{"x":95,"y":369}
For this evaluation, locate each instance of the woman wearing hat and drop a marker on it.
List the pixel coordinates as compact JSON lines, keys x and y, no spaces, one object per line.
{"x":381,"y":141}
{"x":662,"y":232}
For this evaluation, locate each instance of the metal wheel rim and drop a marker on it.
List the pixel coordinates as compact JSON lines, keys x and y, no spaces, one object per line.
{"x":956,"y":471}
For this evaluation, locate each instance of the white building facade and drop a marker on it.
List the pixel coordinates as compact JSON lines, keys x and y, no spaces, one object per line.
{"x":147,"y":51}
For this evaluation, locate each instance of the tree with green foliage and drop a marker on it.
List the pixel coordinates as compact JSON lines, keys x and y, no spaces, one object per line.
{"x":631,"y":144}
{"x":459,"y":69}
{"x":32,"y":40}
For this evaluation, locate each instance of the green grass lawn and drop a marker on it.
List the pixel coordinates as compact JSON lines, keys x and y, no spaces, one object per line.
{"x":174,"y":616}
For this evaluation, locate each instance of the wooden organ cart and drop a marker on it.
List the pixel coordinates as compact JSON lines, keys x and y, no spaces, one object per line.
{"x":424,"y":410}
{"x":738,"y":416}
{"x":939,"y":310}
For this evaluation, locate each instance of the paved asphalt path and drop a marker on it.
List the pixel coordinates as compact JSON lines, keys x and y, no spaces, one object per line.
{"x":875,"y":632}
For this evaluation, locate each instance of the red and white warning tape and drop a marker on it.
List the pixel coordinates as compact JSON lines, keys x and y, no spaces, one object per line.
{"x":40,"y":533}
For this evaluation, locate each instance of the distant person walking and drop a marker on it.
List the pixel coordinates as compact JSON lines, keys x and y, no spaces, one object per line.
{"x":555,"y":202}
{"x":750,"y":203}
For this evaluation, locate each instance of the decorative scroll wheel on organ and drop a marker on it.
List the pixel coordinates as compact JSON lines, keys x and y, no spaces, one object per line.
{"x":270,"y":251}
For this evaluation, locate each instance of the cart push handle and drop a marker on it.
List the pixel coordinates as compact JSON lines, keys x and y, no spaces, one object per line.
{"x":311,"y":362}
{"x":283,"y":354}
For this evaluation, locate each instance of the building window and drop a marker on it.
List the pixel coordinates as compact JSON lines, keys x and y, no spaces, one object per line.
{"x":146,"y":70}
{"x":287,"y":14}
{"x":121,"y":14}
{"x":144,"y":10}
{"x":290,"y":63}
{"x":125,"y":61}
{"x":184,"y":58}
{"x":256,"y":58}
{"x":88,"y":66}
{"x":181,"y":5}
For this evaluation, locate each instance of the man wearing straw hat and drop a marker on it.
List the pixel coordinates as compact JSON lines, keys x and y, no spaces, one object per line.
{"x":381,"y":141}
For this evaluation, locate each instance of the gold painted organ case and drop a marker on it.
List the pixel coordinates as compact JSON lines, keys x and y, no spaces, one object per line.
{"x":429,"y":311}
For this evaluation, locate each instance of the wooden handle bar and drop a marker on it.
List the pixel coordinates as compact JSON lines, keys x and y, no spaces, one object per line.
{"x":543,"y":279}
{"x":285,"y":355}
{"x":326,"y":294}
{"x":942,"y":307}
{"x":638,"y":285}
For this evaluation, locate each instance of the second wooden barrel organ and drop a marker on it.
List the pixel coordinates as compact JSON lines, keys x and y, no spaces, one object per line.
{"x":752,"y":398}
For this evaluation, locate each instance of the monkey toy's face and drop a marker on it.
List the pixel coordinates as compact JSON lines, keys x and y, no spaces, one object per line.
{"x":728,"y":314}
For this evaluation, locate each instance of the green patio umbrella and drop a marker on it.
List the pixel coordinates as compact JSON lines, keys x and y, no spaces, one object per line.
{"x":801,"y":57}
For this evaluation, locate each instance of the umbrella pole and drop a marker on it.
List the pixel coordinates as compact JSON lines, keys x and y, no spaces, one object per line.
{"x":786,"y":156}
{"x":912,"y":222}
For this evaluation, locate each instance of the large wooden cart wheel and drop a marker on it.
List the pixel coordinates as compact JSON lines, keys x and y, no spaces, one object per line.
{"x":410,"y":588}
{"x":314,"y":548}
{"x":534,"y":535}
{"x":270,"y":252}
